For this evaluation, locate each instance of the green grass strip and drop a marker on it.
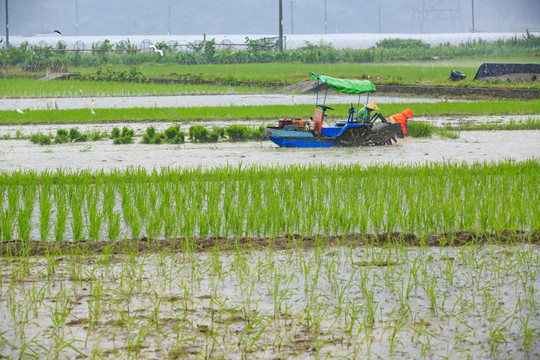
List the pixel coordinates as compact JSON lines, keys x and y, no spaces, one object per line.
{"x":264,"y":113}
{"x":25,"y":87}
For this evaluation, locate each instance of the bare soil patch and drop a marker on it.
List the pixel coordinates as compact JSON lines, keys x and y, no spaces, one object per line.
{"x":288,"y":241}
{"x":310,"y":86}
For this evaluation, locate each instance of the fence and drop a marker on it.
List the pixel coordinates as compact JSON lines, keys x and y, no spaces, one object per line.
{"x":123,"y":46}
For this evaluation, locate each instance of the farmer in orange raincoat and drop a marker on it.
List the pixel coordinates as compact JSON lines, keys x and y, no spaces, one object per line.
{"x":402,"y":119}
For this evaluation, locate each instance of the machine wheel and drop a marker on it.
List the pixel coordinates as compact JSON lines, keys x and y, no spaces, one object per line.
{"x":384,"y":132}
{"x":355,"y":136}
{"x":291,"y":128}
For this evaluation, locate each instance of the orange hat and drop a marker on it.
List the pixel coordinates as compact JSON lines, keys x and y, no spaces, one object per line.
{"x":372,"y":105}
{"x":407,"y":113}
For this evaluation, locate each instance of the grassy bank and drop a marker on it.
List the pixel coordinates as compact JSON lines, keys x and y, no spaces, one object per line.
{"x":28,"y":87}
{"x":212,"y":78}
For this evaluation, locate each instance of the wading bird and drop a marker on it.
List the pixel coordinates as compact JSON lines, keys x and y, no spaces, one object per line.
{"x":155,"y":49}
{"x":20,"y":111}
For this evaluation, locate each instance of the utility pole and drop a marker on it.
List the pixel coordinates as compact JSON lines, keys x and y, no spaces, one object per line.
{"x":280,"y":25}
{"x":292,"y":23}
{"x":7,"y":26}
{"x":169,"y":33}
{"x":379,"y":18}
{"x":76,"y":18}
{"x":325,"y":19}
{"x":472,"y":2}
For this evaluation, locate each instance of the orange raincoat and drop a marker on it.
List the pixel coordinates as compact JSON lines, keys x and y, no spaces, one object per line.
{"x":402,"y":119}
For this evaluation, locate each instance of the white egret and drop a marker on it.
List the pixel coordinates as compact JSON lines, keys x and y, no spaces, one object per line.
{"x":20,"y":111}
{"x":155,"y":49}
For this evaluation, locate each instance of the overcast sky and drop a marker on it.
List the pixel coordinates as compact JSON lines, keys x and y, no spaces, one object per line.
{"x":193,"y":17}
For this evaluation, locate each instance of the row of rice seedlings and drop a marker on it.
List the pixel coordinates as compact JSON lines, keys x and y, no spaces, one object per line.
{"x":530,"y":123}
{"x":25,"y":87}
{"x":331,"y":301}
{"x":260,"y":201}
{"x":267,"y":112}
{"x":171,"y":135}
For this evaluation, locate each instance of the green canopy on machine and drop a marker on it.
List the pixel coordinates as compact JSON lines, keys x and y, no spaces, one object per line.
{"x":345,"y":85}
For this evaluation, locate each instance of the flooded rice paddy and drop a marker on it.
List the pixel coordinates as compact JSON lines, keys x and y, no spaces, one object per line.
{"x":116,"y":102}
{"x":329,"y":302}
{"x":471,"y":146}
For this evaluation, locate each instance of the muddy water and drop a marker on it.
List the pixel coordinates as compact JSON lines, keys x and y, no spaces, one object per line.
{"x":457,"y":303}
{"x":140,"y":127}
{"x":471,"y":146}
{"x":190,"y":101}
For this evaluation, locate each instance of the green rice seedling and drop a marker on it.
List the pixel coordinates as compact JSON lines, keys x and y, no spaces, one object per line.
{"x":125,"y":137}
{"x":431,"y":290}
{"x":61,"y":213}
{"x":200,"y":134}
{"x":237,"y":133}
{"x":60,"y":312}
{"x":220,"y":131}
{"x":174,"y":135}
{"x":40,"y":139}
{"x":257,"y":134}
{"x":7,"y":224}
{"x":134,"y":221}
{"x":115,"y":133}
{"x":113,"y":217}
{"x":153,"y":227}
{"x":45,"y":209}
{"x":496,"y":335}
{"x":529,"y":334}
{"x":95,"y":216}
{"x":24,"y":216}
{"x":420,"y":130}
{"x":76,"y":136}
{"x":447,"y":132}
{"x":62,"y":136}
{"x":96,"y":135}
{"x":76,"y":198}
{"x":151,"y":137}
